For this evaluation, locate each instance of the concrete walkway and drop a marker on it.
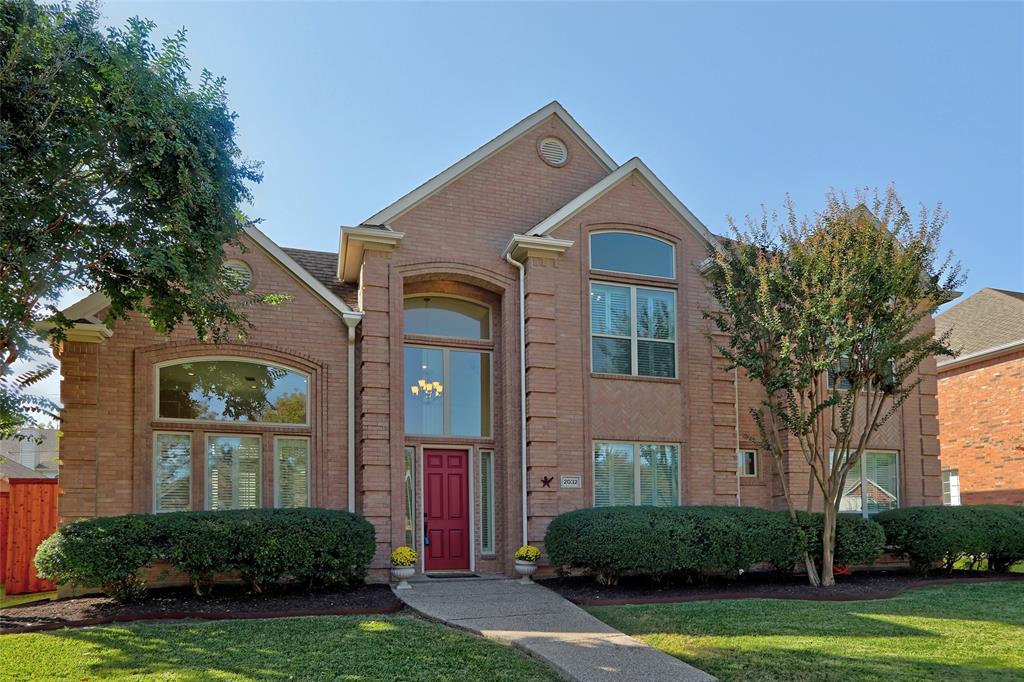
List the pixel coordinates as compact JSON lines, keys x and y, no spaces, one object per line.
{"x":543,"y":624}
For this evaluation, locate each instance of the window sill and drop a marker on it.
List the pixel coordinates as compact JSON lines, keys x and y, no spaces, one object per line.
{"x":634,"y":377}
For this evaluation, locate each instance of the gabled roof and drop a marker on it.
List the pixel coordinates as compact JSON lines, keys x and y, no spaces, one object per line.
{"x":631,"y":167}
{"x":451,"y":173}
{"x":988,"y":322}
{"x":316,"y":272}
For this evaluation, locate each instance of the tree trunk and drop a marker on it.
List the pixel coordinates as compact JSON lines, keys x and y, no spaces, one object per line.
{"x":828,"y":545}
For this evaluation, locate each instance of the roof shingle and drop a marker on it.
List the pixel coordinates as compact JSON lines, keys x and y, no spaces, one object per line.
{"x":323,"y":266}
{"x":988,"y":319}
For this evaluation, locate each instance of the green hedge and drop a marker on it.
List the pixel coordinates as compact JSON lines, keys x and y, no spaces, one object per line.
{"x":931,"y":535}
{"x":314,"y":546}
{"x":697,"y":541}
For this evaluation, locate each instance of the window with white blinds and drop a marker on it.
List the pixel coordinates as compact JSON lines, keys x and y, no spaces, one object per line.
{"x":291,"y":478}
{"x":172,"y":472}
{"x":636,"y":473}
{"x":872,"y":484}
{"x":486,"y":502}
{"x":659,"y":475}
{"x":632,"y":330}
{"x":233,"y":472}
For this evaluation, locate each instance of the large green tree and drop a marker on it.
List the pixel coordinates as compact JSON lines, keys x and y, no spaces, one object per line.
{"x":118,"y":175}
{"x":830,"y":314}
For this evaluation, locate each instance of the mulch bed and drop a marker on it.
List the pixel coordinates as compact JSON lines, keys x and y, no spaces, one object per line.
{"x":227,"y":601}
{"x":868,"y":585}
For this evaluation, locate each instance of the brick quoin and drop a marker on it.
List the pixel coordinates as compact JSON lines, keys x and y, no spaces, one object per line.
{"x":454,"y":245}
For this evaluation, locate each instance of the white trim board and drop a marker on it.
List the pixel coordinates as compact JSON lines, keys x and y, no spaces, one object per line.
{"x":392,"y":212}
{"x":599,"y":189}
{"x":88,"y":307}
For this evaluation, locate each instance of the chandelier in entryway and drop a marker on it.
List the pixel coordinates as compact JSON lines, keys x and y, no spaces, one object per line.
{"x":425,"y":388}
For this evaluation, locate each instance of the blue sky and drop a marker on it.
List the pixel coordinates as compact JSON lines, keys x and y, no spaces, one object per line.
{"x":733,"y":105}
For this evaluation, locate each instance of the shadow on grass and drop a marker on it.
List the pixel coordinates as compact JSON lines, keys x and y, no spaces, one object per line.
{"x":965,"y":632}
{"x":801,"y":665}
{"x":356,"y":648}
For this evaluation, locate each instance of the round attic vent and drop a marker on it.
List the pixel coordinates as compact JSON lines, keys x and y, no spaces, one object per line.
{"x":241,"y":270}
{"x":553,"y":151}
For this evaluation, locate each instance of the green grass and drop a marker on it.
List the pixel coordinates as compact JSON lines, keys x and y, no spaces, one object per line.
{"x":324,"y":648}
{"x":956,"y":632}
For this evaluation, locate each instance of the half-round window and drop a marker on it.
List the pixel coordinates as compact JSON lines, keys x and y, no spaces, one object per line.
{"x":232,"y":390}
{"x":633,"y":253}
{"x":449,"y":317}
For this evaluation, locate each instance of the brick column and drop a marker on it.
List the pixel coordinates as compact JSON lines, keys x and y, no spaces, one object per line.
{"x":79,"y":393}
{"x":541,"y":399}
{"x":373,"y":463}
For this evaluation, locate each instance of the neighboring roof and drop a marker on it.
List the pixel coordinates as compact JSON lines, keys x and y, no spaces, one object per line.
{"x":439,"y":181}
{"x":608,"y":182}
{"x":989,"y":321}
{"x":323,"y":265}
{"x":11,"y":469}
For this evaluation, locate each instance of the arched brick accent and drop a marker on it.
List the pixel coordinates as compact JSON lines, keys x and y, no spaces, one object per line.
{"x":146,"y":422}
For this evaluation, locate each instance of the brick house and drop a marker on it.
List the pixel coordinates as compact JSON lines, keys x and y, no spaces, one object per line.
{"x":981,"y":399}
{"x":518,"y":337}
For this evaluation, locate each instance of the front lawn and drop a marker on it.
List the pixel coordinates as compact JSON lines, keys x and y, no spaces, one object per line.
{"x":971,"y":631}
{"x":346,"y":647}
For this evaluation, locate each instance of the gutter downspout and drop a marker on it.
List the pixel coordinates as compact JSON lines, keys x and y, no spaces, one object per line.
{"x":352,"y":320}
{"x":522,"y":384}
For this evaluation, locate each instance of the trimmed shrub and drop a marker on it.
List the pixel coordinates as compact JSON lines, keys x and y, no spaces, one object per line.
{"x":859,"y":541}
{"x":105,"y":552}
{"x":696,"y":541}
{"x":316,"y":547}
{"x":933,"y":535}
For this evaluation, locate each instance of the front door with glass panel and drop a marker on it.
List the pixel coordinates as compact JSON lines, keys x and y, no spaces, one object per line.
{"x":446,"y":509}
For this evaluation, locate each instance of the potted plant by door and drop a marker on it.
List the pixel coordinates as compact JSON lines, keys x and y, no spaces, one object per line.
{"x":403,"y":566}
{"x":526,"y":562}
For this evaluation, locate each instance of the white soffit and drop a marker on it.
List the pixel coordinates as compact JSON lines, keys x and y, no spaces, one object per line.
{"x":437,"y":182}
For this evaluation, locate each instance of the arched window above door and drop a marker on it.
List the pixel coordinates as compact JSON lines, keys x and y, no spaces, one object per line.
{"x":446,"y":317}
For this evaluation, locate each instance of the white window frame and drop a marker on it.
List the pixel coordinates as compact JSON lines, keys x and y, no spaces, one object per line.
{"x":206,"y":468}
{"x":277,"y":469}
{"x":590,"y":253}
{"x":636,"y":444}
{"x":947,"y":481}
{"x":633,"y":337}
{"x":462,"y":339}
{"x":446,"y":407}
{"x":863,"y":479}
{"x":741,"y":466}
{"x":156,"y":468}
{"x":235,"y":358}
{"x":487,"y":515}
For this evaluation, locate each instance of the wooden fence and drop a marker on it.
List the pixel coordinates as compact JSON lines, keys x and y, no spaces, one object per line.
{"x":28,"y":515}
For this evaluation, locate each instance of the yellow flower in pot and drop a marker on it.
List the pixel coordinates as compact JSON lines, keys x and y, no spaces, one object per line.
{"x":403,"y":566}
{"x":526,"y":562}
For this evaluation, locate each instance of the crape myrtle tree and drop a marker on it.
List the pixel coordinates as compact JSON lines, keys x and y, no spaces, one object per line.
{"x":830,"y":314}
{"x":117,"y":175}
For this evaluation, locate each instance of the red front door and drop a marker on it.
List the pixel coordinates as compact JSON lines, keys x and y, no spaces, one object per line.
{"x":446,"y":493}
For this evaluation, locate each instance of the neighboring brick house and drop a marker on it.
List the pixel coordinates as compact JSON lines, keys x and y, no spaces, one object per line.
{"x":981,"y":399}
{"x":392,"y":382}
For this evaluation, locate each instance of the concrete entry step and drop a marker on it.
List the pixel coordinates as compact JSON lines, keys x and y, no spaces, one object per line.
{"x":543,"y":624}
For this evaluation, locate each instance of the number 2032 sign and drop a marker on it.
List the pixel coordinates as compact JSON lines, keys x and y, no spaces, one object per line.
{"x":571,"y":481}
